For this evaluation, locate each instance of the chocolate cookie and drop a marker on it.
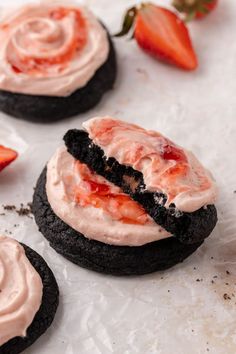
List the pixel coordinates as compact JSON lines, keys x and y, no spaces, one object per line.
{"x":46,"y":313}
{"x":187,"y":227}
{"x":101,"y":257}
{"x":46,"y":109}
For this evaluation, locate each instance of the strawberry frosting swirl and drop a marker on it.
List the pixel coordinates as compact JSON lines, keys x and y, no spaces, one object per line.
{"x":166,"y":167}
{"x":95,"y":207}
{"x":50,"y":48}
{"x":20,"y":290}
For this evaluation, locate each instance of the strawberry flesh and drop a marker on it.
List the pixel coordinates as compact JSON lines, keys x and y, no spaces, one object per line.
{"x":164,"y":35}
{"x":6,"y":156}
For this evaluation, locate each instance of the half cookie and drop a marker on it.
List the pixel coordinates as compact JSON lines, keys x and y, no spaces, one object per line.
{"x":167,"y":180}
{"x":91,"y":222}
{"x":56,"y":60}
{"x":28,"y":297}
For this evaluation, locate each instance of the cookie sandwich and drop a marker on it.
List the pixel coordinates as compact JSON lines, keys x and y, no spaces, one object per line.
{"x":122,"y":200}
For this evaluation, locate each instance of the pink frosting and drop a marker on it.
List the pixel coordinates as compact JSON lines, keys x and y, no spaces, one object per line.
{"x":166,"y":167}
{"x":50,"y":48}
{"x":20,"y":290}
{"x":99,"y":222}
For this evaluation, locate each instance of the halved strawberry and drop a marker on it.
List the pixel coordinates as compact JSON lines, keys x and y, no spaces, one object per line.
{"x":195,"y":8}
{"x":161,"y":33}
{"x":6,"y":156}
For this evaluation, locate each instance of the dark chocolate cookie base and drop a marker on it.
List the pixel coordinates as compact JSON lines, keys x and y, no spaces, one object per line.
{"x":46,"y":313}
{"x":46,"y":109}
{"x":100,"y":257}
{"x":187,"y":227}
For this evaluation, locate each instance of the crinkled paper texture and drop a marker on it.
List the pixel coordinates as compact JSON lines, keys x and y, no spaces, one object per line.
{"x":182,"y":310}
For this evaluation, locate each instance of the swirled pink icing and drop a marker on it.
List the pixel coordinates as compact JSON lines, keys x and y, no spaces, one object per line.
{"x":166,"y":167}
{"x":50,"y":48}
{"x":20,"y":290}
{"x":95,"y":207}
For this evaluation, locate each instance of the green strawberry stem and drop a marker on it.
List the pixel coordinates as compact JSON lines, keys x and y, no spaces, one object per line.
{"x":128,"y":22}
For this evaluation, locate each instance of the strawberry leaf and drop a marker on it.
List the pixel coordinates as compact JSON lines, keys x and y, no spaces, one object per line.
{"x":128,"y":22}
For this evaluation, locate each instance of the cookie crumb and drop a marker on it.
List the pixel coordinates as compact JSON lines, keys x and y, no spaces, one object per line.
{"x":226,"y":297}
{"x":9,"y":207}
{"x":22,"y":211}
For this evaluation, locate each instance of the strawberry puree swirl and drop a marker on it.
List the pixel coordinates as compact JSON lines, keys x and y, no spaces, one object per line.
{"x":95,"y":207}
{"x":166,"y":167}
{"x":50,"y":48}
{"x":21,"y":290}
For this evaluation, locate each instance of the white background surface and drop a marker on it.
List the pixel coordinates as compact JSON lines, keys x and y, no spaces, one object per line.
{"x":167,"y":312}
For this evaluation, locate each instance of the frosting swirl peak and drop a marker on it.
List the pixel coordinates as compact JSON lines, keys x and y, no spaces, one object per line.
{"x":51,"y":48}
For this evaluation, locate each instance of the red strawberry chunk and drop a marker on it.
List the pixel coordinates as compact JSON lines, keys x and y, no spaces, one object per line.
{"x":6,"y":156}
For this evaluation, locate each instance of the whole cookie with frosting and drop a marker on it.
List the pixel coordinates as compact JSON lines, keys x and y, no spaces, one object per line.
{"x":56,"y":60}
{"x":28,"y":296}
{"x":88,"y":216}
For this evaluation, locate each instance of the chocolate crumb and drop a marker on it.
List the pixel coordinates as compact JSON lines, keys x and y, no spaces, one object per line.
{"x":212,"y":282}
{"x":9,"y":207}
{"x":227,"y":272}
{"x":197,"y":279}
{"x":226,"y":297}
{"x":212,"y":257}
{"x":235,"y":192}
{"x":22,"y":211}
{"x":226,"y":283}
{"x":215,"y":276}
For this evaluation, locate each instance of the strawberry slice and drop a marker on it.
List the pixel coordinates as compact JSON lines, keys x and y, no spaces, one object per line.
{"x":161,"y":33}
{"x":195,"y":8}
{"x":6,"y":156}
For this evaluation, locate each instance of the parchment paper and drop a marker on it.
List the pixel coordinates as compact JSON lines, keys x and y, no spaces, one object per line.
{"x":192,"y":307}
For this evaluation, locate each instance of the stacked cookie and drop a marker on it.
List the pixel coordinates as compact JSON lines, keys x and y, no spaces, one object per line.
{"x":123,"y":200}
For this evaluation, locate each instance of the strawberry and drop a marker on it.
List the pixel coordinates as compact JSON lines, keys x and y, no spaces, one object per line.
{"x":6,"y":156}
{"x":161,"y":33}
{"x":195,"y":8}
